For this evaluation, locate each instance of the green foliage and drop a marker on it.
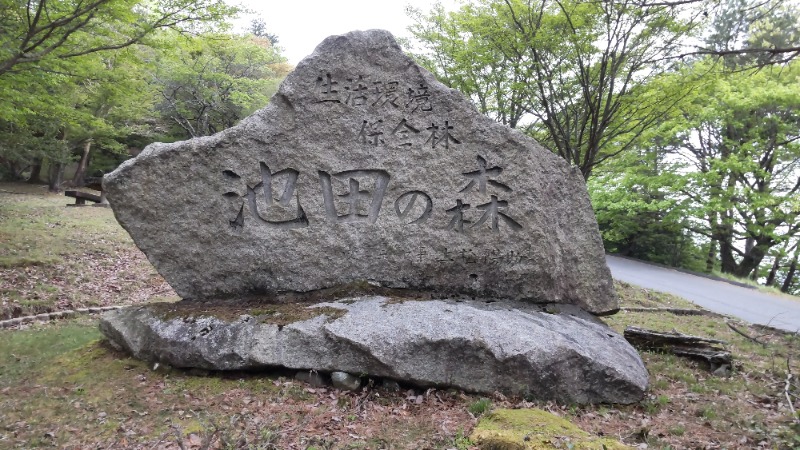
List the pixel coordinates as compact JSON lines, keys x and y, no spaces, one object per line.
{"x":724,"y":169}
{"x":461,"y":441}
{"x":738,"y":134}
{"x":86,"y":81}
{"x":639,"y":214}
{"x":752,"y":26}
{"x":42,"y":35}
{"x":655,"y":404}
{"x":573,"y":74}
{"x":677,"y":430}
{"x":457,"y":50}
{"x":210,"y":82}
{"x":480,"y":407}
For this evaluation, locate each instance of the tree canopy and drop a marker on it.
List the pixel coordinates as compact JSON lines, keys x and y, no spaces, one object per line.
{"x":211,"y":82}
{"x":38,"y":32}
{"x":87,"y":81}
{"x":576,"y":75}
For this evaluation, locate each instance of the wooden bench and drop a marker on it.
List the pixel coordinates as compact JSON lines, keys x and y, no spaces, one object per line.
{"x":81,"y":198}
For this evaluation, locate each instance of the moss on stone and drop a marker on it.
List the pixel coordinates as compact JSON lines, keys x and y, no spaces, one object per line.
{"x":285,"y":307}
{"x":280,"y":314}
{"x":534,"y":429}
{"x":282,"y":308}
{"x":552,"y":308}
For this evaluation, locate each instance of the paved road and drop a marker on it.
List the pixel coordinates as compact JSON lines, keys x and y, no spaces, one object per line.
{"x":748,"y":304}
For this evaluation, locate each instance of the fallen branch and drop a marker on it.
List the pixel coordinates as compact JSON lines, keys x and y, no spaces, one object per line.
{"x":676,"y":311}
{"x":742,"y":333}
{"x":679,"y":344}
{"x":786,"y":389}
{"x":46,"y":317}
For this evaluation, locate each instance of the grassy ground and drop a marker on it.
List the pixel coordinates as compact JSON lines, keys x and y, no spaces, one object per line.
{"x":754,"y":284}
{"x":54,"y":258}
{"x":62,"y":386}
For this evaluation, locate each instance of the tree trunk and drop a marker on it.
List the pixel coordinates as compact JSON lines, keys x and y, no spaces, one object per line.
{"x":774,"y":271}
{"x":710,"y":350}
{"x":787,"y":283}
{"x":751,"y":260}
{"x":77,"y":180}
{"x":56,"y":177}
{"x":749,"y":243}
{"x":727,"y":261}
{"x":36,"y":171}
{"x":722,"y":232}
{"x":712,"y":255}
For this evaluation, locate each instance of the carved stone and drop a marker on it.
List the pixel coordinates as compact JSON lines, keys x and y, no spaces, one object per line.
{"x":364,"y":168}
{"x":515,"y":348}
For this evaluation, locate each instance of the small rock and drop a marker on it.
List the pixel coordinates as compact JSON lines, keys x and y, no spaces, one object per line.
{"x":345,"y":381}
{"x":390,"y":385}
{"x":722,"y":371}
{"x":195,"y":441}
{"x":311,"y":377}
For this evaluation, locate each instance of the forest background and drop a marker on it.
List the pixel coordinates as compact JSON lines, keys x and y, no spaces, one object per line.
{"x":683,"y":116}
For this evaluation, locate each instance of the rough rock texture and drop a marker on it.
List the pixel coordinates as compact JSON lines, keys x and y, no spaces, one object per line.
{"x":364,"y":168}
{"x":514,"y":348}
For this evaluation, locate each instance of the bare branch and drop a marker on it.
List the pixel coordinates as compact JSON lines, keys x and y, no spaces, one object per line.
{"x":45,"y":37}
{"x":791,"y":52}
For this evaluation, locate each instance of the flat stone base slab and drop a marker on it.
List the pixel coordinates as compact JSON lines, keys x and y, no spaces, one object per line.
{"x":557,"y":352}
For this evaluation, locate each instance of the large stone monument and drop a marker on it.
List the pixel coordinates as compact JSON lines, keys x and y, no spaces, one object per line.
{"x":365,"y":176}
